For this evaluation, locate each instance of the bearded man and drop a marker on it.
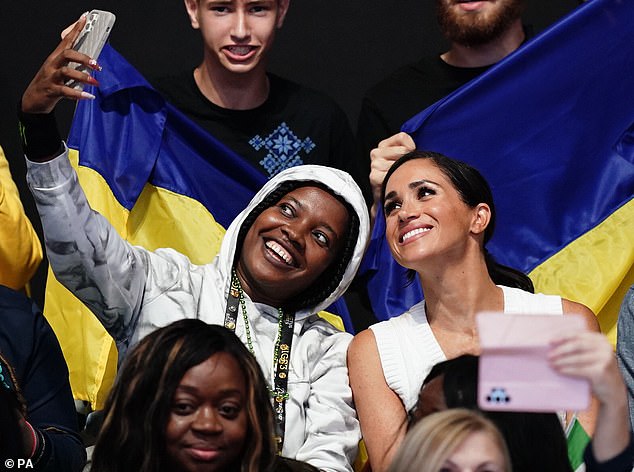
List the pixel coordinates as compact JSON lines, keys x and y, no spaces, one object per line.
{"x":480,"y":33}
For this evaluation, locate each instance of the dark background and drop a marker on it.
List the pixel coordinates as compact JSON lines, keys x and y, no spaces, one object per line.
{"x":341,"y":47}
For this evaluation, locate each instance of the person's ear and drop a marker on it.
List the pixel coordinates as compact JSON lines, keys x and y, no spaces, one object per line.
{"x":481,"y":218}
{"x":282,"y":9}
{"x":192,"y":12}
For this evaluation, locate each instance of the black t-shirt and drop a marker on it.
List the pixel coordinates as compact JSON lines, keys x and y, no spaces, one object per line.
{"x":294,"y":126}
{"x":403,"y":94}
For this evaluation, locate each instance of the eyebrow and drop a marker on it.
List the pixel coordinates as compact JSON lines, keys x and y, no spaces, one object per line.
{"x":412,"y":185}
{"x":194,"y":390}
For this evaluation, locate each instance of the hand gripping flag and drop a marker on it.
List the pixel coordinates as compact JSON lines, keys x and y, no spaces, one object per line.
{"x":161,"y":181}
{"x":551,"y":128}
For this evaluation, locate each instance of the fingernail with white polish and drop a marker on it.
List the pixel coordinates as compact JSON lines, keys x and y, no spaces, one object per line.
{"x":92,"y":63}
{"x":87,"y":95}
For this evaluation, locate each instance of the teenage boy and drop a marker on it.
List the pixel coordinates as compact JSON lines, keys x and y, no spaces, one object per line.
{"x":272,"y":122}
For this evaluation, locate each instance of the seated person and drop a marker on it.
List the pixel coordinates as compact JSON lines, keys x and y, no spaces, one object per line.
{"x":453,"y":440}
{"x":189,"y":396}
{"x":535,"y":441}
{"x":439,"y":215}
{"x":38,"y":413}
{"x":291,"y":253}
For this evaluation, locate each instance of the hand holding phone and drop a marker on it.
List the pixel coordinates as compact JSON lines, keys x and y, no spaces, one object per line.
{"x":515,"y":373}
{"x":91,"y":40}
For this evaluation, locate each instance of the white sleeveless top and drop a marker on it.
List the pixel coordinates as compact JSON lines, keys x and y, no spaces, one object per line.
{"x":408,"y":349}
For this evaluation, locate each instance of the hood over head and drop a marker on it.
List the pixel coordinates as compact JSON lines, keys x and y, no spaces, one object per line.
{"x":341,"y":184}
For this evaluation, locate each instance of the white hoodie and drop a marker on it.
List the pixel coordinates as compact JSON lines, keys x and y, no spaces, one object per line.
{"x":134,"y":291}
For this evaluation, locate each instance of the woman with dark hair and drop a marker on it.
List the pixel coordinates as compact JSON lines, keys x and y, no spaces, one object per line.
{"x":290,"y":254}
{"x":439,"y":216}
{"x":189,"y":396}
{"x":535,"y":441}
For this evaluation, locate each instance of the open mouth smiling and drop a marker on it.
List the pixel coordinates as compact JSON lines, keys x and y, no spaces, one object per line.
{"x":280,"y":253}
{"x":414,"y":232}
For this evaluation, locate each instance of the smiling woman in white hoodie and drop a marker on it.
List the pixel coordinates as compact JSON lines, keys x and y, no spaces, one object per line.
{"x":291,"y":253}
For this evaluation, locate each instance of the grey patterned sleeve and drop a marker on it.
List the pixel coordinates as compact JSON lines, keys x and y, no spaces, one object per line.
{"x":85,"y":252}
{"x":625,"y":346}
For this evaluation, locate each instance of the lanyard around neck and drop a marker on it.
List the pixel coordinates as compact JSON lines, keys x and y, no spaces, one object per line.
{"x":281,"y":353}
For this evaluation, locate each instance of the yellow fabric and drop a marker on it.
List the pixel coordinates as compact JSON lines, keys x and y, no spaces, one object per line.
{"x":596,"y":269}
{"x":159,"y":219}
{"x":334,"y":320}
{"x":361,"y":462}
{"x":20,"y":248}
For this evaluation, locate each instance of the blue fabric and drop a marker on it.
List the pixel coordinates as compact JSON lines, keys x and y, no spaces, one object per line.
{"x":131,"y":136}
{"x":28,"y":343}
{"x":551,"y":127}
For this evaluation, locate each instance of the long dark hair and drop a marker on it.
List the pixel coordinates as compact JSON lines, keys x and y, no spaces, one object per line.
{"x":328,"y":281}
{"x":473,"y":190}
{"x":137,"y":410}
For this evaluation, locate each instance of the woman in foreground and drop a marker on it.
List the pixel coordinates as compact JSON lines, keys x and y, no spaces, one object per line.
{"x":189,"y":397}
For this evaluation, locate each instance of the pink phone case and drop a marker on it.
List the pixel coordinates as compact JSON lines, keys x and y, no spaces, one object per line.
{"x":515,"y":374}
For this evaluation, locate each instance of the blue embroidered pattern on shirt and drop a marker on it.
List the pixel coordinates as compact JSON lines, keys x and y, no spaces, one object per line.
{"x":283,"y":148}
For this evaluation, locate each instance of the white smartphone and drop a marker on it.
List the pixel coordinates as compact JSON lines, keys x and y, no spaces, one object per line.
{"x":91,"y":40}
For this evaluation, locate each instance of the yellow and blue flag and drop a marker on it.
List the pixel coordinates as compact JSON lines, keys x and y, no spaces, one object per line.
{"x":551,"y":128}
{"x":161,"y":181}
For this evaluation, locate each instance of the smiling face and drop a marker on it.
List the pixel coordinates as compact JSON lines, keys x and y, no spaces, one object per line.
{"x":237,"y":33}
{"x":474,"y":22}
{"x":479,"y":452}
{"x":425,"y":215}
{"x":290,"y":244}
{"x":207,"y":425}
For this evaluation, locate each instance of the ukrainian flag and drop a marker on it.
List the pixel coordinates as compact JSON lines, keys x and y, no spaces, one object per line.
{"x":551,"y":128}
{"x":161,"y":181}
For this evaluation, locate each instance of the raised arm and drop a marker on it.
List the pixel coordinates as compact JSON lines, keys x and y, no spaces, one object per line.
{"x":85,"y":252}
{"x":587,"y":418}
{"x":381,"y":413}
{"x":589,"y":355}
{"x":381,"y":159}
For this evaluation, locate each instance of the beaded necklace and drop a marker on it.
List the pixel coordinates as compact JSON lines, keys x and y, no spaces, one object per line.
{"x":281,"y":352}
{"x":247,"y":328}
